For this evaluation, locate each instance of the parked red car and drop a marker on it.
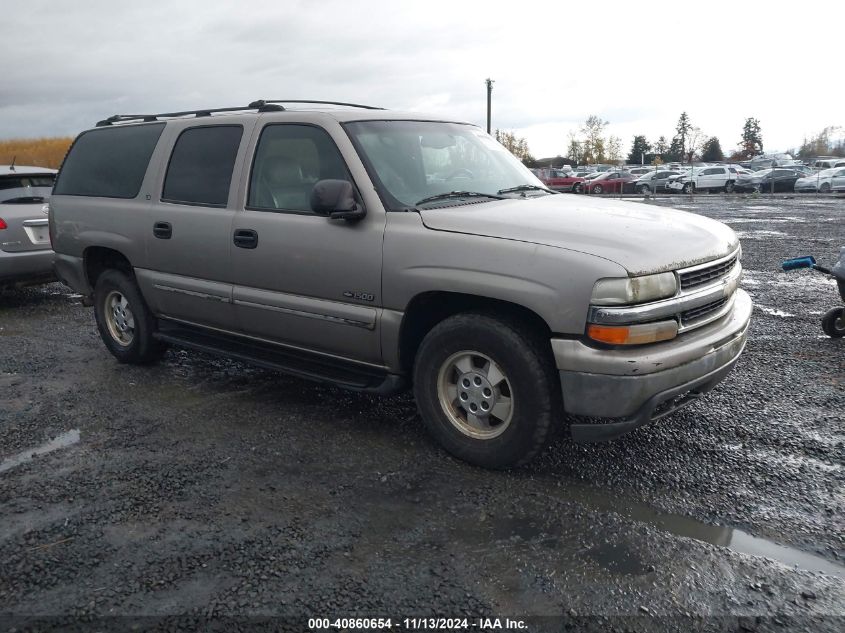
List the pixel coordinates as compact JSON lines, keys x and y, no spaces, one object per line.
{"x":612,"y":182}
{"x":560,"y":180}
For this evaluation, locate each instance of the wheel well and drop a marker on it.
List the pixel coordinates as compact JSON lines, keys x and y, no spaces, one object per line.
{"x":99,"y":259}
{"x":430,"y":308}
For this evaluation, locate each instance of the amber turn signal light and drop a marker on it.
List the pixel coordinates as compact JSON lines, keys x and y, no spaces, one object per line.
{"x":633,"y":334}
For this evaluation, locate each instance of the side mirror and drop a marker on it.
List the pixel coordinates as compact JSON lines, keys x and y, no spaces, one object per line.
{"x":335,"y":199}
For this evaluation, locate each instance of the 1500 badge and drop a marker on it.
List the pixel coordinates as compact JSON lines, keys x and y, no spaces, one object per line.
{"x":361,"y":296}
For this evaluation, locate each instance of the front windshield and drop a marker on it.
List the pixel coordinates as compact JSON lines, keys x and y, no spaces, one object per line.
{"x":414,"y":160}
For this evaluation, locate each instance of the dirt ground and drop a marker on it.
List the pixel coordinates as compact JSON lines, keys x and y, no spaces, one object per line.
{"x":203,"y":488}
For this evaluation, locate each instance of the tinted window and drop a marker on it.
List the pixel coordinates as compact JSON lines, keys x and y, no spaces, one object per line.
{"x":200,"y":169}
{"x":288,"y":161}
{"x":109,"y":162}
{"x":26,"y":188}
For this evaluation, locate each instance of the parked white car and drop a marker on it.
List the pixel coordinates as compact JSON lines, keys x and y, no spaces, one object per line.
{"x":719,"y":178}
{"x":837,"y":184}
{"x":820,"y":182}
{"x":828,"y":163}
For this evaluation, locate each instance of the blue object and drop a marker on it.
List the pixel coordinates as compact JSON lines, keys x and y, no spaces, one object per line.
{"x":799,"y":262}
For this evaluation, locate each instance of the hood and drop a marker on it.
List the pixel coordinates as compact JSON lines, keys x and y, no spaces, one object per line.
{"x":639,"y":237}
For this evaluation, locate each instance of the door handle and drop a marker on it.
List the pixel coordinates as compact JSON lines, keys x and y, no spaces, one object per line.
{"x":246,"y":238}
{"x":163,"y":230}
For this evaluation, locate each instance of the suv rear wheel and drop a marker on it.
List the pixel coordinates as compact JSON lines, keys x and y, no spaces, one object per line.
{"x":486,"y":390}
{"x":123,"y":319}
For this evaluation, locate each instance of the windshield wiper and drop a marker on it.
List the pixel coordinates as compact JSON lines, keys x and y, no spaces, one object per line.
{"x":526,"y":188}
{"x":459,"y":194}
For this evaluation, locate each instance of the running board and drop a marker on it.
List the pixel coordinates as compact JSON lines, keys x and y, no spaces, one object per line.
{"x":342,"y":373}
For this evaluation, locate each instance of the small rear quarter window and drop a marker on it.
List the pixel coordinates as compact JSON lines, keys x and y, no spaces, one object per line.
{"x":108,"y":162}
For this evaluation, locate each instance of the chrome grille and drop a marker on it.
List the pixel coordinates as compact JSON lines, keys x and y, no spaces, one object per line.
{"x":701,"y":276}
{"x":702,"y":311}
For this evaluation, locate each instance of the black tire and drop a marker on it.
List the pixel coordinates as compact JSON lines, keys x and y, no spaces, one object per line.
{"x":598,"y":189}
{"x":531,"y":380}
{"x":138,"y":347}
{"x":645,"y":190}
{"x":833,"y":322}
{"x":578,"y":187}
{"x":729,"y":187}
{"x":688,"y":188}
{"x":825,"y":188}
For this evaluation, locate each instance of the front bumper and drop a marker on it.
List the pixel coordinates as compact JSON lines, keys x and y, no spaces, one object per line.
{"x":640,"y":384}
{"x":26,"y":267}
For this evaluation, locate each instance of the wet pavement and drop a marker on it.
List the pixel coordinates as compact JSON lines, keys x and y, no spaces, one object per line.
{"x":205,"y":488}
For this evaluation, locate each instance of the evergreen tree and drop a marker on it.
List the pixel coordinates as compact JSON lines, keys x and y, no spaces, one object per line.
{"x":675,"y":153}
{"x":712,"y":151}
{"x":682,"y":132}
{"x":752,"y":139}
{"x":639,"y":147}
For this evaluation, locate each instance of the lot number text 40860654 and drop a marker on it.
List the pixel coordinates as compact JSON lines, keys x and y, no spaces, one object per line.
{"x":418,"y":624}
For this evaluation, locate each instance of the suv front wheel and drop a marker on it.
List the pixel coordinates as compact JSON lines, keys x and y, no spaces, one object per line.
{"x":487,"y":390}
{"x":125,"y":322}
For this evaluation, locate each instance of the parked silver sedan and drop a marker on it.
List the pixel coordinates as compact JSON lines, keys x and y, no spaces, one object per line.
{"x":820,"y":182}
{"x":25,"y":253}
{"x":654,"y":181}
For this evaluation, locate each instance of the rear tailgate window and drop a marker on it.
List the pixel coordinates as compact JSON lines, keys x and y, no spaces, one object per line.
{"x":23,"y":188}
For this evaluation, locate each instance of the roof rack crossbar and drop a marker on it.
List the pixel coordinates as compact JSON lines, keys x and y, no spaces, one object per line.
{"x":261,"y":105}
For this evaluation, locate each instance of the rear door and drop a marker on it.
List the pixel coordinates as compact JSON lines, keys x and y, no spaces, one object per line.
{"x":23,"y":222}
{"x":189,"y":227}
{"x":718,"y":177}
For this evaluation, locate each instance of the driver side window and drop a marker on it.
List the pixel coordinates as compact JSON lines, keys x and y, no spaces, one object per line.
{"x":289,"y":160}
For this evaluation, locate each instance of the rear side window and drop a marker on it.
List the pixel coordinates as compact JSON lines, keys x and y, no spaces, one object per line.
{"x":201,"y":165}
{"x":108,"y":162}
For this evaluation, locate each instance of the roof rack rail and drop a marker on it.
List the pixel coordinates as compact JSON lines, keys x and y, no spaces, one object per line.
{"x":339,"y":103}
{"x":260,"y":105}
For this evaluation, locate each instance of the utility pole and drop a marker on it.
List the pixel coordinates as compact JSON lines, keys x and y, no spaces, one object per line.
{"x":489,"y":83}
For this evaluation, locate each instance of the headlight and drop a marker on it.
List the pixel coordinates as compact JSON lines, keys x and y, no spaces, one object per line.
{"x":628,"y":290}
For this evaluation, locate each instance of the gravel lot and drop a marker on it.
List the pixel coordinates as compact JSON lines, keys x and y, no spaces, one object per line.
{"x":205,"y":488}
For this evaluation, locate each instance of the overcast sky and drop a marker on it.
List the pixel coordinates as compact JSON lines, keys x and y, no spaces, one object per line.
{"x":67,"y":64}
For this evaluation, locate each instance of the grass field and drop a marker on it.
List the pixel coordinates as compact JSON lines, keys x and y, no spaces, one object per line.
{"x":38,"y":152}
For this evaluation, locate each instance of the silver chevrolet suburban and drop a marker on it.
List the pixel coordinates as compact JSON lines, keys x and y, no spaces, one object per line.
{"x":378,"y":251}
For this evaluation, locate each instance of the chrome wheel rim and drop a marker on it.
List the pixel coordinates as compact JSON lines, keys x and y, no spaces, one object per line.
{"x":475,"y":394}
{"x":119,"y":318}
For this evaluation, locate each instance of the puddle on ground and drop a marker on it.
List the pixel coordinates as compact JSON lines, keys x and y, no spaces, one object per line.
{"x":723,"y":536}
{"x":618,"y":558}
{"x":62,"y":441}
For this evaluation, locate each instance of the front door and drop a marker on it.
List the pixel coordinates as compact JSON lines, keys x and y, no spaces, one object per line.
{"x":308,"y":281}
{"x":189,"y":274}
